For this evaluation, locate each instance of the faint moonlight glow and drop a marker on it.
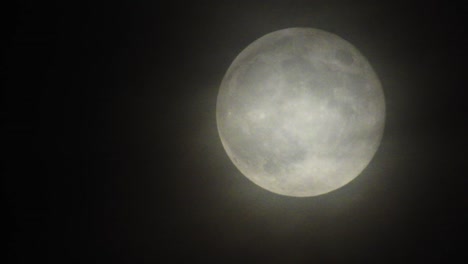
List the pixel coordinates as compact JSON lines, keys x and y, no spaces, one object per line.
{"x":300,"y":112}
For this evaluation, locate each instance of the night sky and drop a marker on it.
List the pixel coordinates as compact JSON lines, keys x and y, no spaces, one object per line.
{"x":111,"y":154}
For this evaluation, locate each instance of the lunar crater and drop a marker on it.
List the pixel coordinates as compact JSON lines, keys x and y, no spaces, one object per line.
{"x":344,"y":57}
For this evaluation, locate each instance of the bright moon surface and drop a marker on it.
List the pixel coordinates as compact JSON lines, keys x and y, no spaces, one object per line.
{"x":300,"y":112}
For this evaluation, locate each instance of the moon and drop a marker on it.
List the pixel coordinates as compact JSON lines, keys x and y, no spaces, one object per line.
{"x":300,"y":112}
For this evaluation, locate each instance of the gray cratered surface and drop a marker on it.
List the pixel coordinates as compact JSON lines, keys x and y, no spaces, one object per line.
{"x":300,"y":112}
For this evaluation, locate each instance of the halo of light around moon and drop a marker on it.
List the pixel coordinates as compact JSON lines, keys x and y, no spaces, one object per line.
{"x":300,"y":112}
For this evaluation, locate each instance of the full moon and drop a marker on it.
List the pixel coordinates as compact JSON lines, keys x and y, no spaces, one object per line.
{"x":300,"y":112}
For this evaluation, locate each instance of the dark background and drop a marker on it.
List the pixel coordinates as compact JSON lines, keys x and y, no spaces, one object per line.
{"x":111,"y":154}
